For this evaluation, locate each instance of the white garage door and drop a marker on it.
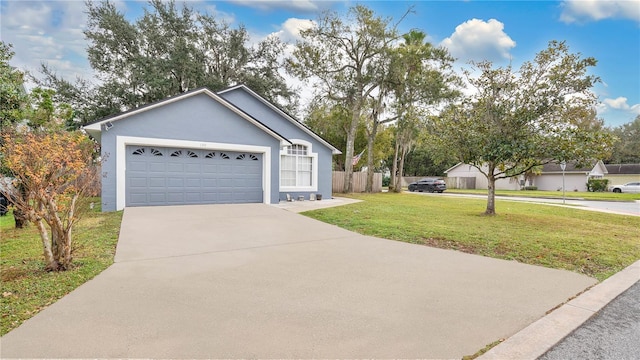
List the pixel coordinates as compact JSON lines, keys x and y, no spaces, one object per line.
{"x":173,"y":176}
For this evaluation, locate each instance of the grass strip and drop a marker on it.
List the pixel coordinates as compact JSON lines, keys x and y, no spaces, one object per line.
{"x":590,"y":243}
{"x":27,"y":288}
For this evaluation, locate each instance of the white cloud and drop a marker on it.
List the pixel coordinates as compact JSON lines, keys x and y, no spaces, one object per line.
{"x":479,"y":40}
{"x":291,"y":28}
{"x":46,"y":32}
{"x":620,"y":103}
{"x":585,"y":10}
{"x":305,"y":6}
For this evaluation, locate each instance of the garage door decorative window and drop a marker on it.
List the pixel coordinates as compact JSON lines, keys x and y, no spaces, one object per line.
{"x":296,"y":167}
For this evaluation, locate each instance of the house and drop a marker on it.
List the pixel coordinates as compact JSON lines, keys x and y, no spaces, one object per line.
{"x":203,"y":147}
{"x":465,"y":176}
{"x":575,"y":177}
{"x":619,"y":174}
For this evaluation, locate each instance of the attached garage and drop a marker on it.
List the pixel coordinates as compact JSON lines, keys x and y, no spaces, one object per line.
{"x":203,"y":147}
{"x":181,"y":176}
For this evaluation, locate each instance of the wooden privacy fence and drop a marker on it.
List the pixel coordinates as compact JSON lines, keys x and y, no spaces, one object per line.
{"x":359,"y":181}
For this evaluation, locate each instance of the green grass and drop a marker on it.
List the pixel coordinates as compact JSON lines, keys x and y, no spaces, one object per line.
{"x":603,"y":196}
{"x":587,"y":242}
{"x":27,"y":288}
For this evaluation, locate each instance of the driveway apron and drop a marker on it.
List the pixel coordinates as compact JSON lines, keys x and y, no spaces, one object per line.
{"x":252,"y":280}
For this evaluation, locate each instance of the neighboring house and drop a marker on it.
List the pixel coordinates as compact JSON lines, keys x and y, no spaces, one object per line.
{"x":619,"y":174}
{"x":465,"y":176}
{"x":575,"y":178}
{"x":203,"y":147}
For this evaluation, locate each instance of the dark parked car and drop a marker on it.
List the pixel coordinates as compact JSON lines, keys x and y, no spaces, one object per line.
{"x":4,"y":205}
{"x":428,"y":184}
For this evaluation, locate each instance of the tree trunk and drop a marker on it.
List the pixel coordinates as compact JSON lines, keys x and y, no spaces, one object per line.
{"x":394,"y":169}
{"x":491,"y":196}
{"x":19,"y":217}
{"x":52,"y":264}
{"x":348,"y":160}
{"x":401,"y":169}
{"x":370,"y":143}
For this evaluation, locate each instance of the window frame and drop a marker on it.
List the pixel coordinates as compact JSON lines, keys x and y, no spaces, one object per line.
{"x":314,"y":166}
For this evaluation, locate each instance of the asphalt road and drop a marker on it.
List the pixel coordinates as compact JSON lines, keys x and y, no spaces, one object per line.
{"x":613,"y":333}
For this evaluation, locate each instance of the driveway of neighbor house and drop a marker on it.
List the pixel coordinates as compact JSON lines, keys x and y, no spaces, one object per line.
{"x":246,"y":281}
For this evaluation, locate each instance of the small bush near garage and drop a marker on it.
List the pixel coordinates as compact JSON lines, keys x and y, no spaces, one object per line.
{"x":26,"y":287}
{"x":530,"y":188}
{"x":597,"y":185}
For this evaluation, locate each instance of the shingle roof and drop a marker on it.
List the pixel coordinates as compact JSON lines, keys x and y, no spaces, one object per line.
{"x":571,"y":166}
{"x":623,"y":169}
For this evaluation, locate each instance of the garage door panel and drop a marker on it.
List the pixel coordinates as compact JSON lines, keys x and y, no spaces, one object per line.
{"x":175,"y":182}
{"x":192,"y":168}
{"x":155,"y":166}
{"x":137,"y":166}
{"x":192,"y":196}
{"x":170,"y":176}
{"x":156,"y":182}
{"x":138,"y":182}
{"x":157,"y":198}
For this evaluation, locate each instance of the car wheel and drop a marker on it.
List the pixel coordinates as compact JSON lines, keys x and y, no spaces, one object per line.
{"x":617,"y":190}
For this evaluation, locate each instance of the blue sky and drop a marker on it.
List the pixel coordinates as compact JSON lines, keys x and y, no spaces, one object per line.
{"x":501,"y":31}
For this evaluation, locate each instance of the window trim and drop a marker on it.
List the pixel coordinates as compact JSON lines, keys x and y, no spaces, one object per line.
{"x":314,"y":167}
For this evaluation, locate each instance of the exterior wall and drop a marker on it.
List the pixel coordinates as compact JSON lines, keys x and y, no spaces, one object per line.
{"x":553,"y":182}
{"x":621,"y":179}
{"x":256,"y":108}
{"x":464,"y":170}
{"x":198,"y":119}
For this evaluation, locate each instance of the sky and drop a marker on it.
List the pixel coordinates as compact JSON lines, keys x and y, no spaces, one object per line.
{"x":505,"y":32}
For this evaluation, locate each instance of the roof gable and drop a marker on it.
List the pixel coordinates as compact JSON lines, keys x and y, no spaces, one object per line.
{"x":282,"y":114}
{"x":95,"y":129}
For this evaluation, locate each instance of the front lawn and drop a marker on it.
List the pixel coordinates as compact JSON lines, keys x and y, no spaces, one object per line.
{"x":603,"y":196}
{"x":27,"y":288}
{"x":591,"y":243}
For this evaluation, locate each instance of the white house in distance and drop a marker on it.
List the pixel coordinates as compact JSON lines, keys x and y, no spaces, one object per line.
{"x":465,"y":176}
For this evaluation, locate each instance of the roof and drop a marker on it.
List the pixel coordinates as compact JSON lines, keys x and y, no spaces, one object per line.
{"x":95,"y":128}
{"x":285,"y":115}
{"x":623,"y":169}
{"x":571,"y":167}
{"x":453,"y":167}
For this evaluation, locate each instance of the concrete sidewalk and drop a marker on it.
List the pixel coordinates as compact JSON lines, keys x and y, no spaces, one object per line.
{"x":246,"y":281}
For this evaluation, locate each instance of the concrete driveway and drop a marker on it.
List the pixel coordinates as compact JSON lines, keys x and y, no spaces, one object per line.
{"x":247,"y":281}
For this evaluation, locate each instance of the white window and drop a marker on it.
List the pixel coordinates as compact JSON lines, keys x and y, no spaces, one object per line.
{"x":298,"y":167}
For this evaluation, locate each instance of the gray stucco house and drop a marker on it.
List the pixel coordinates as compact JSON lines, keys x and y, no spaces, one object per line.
{"x":203,"y":147}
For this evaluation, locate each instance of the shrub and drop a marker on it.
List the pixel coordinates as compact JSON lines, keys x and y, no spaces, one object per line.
{"x":386,"y":180}
{"x":597,"y":185}
{"x":530,"y":188}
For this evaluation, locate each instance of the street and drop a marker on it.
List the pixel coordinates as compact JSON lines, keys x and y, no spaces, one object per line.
{"x":613,"y":333}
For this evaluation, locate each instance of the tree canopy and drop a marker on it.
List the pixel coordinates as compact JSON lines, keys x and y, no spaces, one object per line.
{"x":627,"y":149}
{"x":517,"y":120}
{"x":167,"y":51}
{"x":346,"y":56}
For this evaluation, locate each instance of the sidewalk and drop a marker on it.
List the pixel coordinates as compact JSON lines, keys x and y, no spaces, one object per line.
{"x":306,"y":205}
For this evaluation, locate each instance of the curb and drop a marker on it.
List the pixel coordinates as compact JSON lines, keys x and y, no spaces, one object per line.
{"x":537,"y":338}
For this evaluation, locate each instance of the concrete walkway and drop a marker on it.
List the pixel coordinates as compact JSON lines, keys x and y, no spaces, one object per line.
{"x":246,"y":281}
